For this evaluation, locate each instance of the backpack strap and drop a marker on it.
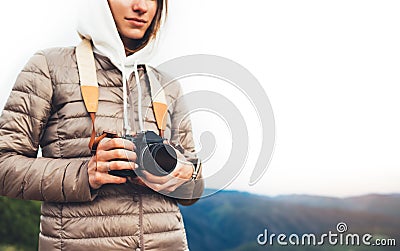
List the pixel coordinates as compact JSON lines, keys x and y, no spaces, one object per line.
{"x":90,"y":89}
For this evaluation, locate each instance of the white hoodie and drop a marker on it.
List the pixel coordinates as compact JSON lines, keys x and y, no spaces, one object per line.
{"x":96,"y":23}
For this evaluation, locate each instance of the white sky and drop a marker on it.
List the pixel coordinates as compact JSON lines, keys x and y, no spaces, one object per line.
{"x":331,"y":70}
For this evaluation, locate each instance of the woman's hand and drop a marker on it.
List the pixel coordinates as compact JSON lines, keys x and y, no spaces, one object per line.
{"x":112,"y":154}
{"x":169,"y":183}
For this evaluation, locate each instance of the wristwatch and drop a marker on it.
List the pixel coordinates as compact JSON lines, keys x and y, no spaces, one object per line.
{"x":196,"y":169}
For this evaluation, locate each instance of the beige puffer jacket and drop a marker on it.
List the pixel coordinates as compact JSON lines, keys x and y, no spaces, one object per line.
{"x":45,"y":108}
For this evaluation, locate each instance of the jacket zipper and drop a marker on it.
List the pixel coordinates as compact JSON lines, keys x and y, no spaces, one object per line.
{"x":141,"y":237}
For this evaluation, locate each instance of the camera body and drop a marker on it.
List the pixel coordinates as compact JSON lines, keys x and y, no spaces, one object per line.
{"x":152,"y":155}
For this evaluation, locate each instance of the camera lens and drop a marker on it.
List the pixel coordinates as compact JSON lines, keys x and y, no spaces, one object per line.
{"x":159,"y":159}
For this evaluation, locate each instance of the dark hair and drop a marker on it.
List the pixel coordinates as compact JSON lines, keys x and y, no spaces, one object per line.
{"x":155,"y":25}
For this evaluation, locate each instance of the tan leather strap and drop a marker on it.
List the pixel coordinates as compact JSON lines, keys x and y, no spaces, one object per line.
{"x":159,"y":101}
{"x":93,"y":135}
{"x":88,"y":81}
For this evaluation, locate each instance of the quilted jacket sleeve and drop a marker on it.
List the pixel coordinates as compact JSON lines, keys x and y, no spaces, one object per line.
{"x":182,"y":135}
{"x":23,"y":120}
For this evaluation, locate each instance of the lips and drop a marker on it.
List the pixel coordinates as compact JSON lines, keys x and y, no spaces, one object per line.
{"x":136,"y":21}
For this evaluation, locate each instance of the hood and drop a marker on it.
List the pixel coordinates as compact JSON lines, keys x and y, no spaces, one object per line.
{"x":95,"y":22}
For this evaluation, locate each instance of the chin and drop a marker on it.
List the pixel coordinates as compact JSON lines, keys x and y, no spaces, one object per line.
{"x":134,"y":35}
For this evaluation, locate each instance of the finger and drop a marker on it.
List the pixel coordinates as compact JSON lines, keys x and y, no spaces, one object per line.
{"x":165,"y":183}
{"x":116,"y":154}
{"x":103,"y":166}
{"x":168,"y":187}
{"x":92,"y":165}
{"x":171,"y":188}
{"x":104,"y":178}
{"x":153,"y":178}
{"x":106,"y":166}
{"x":116,"y":143}
{"x":183,"y":170}
{"x":123,"y":165}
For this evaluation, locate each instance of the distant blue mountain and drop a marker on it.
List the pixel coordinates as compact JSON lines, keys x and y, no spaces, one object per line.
{"x":232,"y":220}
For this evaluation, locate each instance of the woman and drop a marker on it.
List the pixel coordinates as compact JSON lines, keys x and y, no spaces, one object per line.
{"x":84,"y":207}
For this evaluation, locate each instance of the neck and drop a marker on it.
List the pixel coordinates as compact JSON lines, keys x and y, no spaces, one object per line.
{"x":131,"y":45}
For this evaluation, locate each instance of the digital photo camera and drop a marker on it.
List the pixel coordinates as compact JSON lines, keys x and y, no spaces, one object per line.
{"x":152,"y":155}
